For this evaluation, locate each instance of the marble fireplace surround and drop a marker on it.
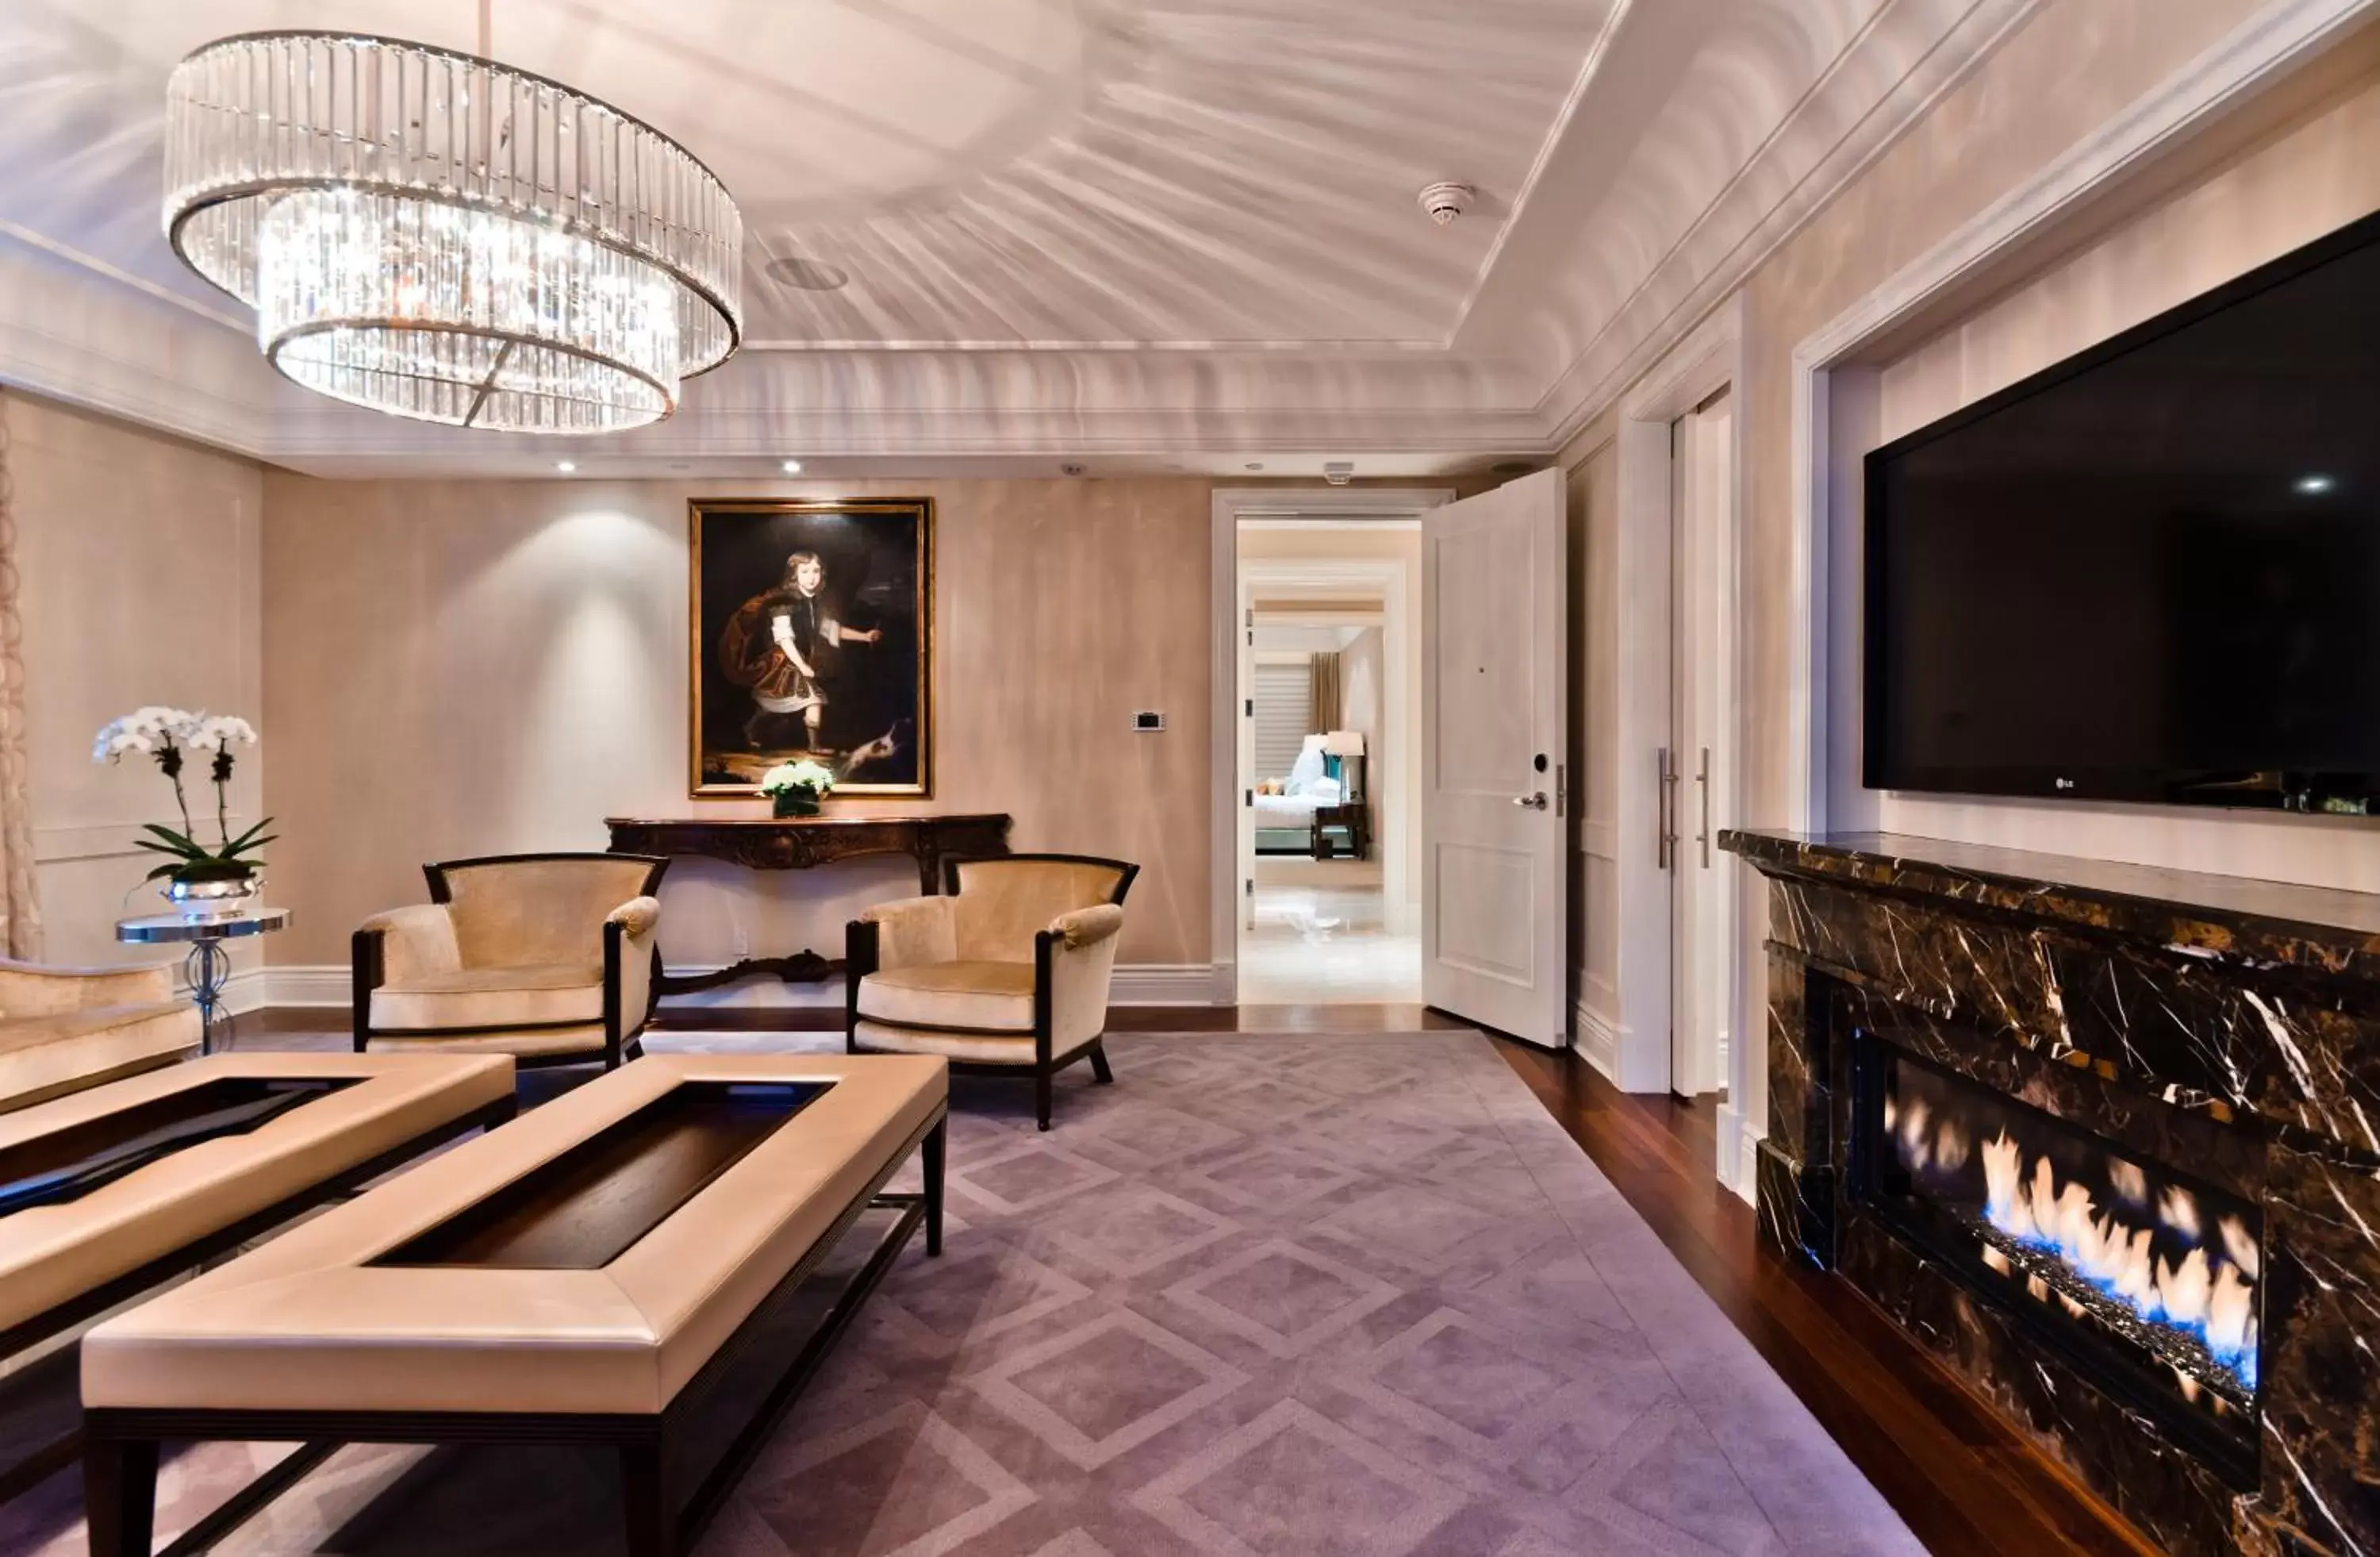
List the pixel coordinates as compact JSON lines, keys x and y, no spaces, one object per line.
{"x":2224,"y":1025}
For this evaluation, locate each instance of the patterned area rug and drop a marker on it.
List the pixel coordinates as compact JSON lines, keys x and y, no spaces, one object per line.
{"x":1297,"y":1297}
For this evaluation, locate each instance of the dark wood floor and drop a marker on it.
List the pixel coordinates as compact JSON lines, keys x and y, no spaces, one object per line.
{"x":1963,"y":1480}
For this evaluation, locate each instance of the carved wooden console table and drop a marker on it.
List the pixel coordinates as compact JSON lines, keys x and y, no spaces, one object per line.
{"x":798,"y":843}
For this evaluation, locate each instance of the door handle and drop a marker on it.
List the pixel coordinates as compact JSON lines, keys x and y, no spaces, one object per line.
{"x":1665,"y":801}
{"x":1702,"y":779}
{"x":1536,"y":802}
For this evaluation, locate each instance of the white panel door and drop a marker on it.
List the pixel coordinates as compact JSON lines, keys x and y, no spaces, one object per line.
{"x":1495,"y":653}
{"x":1702,"y":466}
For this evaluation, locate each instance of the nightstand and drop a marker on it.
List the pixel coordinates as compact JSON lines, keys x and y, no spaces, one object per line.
{"x":1356,"y":817}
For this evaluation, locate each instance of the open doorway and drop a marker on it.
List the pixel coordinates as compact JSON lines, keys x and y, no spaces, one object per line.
{"x":1319,"y":926}
{"x":1320,"y":762}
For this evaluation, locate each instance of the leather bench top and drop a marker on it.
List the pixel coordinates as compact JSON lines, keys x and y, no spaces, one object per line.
{"x":307,"y":1323}
{"x":50,"y":1254}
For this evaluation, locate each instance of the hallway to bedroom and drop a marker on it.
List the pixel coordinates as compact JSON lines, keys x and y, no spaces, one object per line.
{"x":1324,"y":759}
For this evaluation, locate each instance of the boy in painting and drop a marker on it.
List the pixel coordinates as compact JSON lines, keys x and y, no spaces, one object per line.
{"x":781,"y":644}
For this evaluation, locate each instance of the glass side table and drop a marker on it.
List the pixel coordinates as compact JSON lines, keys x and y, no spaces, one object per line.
{"x":207,"y":966}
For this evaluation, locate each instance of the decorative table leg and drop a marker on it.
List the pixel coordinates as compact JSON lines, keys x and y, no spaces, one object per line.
{"x":119,"y":1490}
{"x":644,"y":1493}
{"x":209,"y":969}
{"x":934,"y":1154}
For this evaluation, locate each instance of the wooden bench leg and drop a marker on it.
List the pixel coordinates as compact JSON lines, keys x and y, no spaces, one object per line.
{"x":644,"y":1497}
{"x":119,"y":1492}
{"x":934,"y":1154}
{"x":1100,"y":1071}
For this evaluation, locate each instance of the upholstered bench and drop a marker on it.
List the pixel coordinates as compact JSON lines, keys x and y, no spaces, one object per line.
{"x":107,"y":1192}
{"x":586,"y":1275}
{"x":64,"y":1028}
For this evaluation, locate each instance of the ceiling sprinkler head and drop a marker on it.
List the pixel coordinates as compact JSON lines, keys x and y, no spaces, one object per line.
{"x":1339,"y":472}
{"x":1444,"y":203}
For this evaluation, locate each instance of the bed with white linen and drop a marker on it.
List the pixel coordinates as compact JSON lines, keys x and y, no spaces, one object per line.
{"x":1284,"y":822}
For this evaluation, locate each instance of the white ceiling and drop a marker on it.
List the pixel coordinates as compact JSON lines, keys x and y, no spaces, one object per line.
{"x":1149,"y":234}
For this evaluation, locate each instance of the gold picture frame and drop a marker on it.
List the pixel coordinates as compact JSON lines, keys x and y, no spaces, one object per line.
{"x":811,"y":633}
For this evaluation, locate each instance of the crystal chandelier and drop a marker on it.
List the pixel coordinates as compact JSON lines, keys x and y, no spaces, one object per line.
{"x":437,"y":235}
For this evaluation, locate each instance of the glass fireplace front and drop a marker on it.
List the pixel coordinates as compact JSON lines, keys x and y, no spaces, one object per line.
{"x":2141,"y":1273}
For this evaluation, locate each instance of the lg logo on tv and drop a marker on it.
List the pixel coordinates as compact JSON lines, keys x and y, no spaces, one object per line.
{"x":2064,"y":783}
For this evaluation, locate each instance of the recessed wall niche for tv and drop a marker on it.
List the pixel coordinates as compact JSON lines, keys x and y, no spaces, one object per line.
{"x":2151,"y":573}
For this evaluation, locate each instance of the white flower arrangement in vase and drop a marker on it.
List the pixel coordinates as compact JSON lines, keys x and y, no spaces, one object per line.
{"x":795,"y":788}
{"x":192,"y":870}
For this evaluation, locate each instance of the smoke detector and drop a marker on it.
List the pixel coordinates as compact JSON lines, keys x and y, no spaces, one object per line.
{"x":1339,"y":472}
{"x":1444,"y":203}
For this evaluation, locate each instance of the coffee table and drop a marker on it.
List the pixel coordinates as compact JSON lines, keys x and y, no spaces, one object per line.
{"x":604,"y":1272}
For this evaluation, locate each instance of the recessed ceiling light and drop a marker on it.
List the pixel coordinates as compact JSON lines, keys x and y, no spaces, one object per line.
{"x":2314,"y":486}
{"x":566,"y":467}
{"x":810,"y":275}
{"x":791,"y":467}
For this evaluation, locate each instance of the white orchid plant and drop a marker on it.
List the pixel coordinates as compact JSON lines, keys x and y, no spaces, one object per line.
{"x":165,"y":735}
{"x":787,"y":777}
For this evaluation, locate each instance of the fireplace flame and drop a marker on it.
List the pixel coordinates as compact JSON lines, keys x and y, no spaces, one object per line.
{"x":1916,"y":1143}
{"x":2209,"y":1295}
{"x":2130,"y":1183}
{"x":2241,"y":1244}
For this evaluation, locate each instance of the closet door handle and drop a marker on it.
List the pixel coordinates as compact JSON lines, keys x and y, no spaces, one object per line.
{"x":1664,"y":808}
{"x":1702,"y":779}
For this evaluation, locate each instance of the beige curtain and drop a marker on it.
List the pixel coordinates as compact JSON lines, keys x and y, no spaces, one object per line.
{"x":20,"y":917}
{"x":1326,"y":693}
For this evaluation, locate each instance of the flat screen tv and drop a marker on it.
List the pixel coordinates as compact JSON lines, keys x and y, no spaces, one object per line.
{"x":2151,"y":573}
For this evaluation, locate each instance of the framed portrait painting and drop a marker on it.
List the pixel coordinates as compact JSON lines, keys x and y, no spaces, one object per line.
{"x":813,"y":637}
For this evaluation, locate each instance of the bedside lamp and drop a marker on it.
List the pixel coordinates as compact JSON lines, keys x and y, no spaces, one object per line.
{"x":1342,"y":745}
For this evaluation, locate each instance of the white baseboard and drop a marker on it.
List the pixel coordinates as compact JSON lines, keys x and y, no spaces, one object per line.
{"x":324,"y":984}
{"x":248,"y":989}
{"x":327,"y":985}
{"x":1738,"y":1152}
{"x":1156,"y":983}
{"x":1598,"y":1041}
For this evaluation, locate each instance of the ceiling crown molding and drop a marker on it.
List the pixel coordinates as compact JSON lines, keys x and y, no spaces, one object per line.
{"x":79,"y":329}
{"x":1910,"y":54}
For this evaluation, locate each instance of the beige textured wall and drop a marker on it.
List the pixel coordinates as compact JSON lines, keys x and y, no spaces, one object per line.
{"x":140,"y":562}
{"x":479,"y":667}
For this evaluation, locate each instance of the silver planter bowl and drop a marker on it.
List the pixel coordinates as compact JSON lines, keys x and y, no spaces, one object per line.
{"x":222,"y":898}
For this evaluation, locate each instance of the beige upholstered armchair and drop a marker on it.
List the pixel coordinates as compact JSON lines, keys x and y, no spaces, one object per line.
{"x":64,"y":1028}
{"x":547,"y":958}
{"x":1008,"y":971}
